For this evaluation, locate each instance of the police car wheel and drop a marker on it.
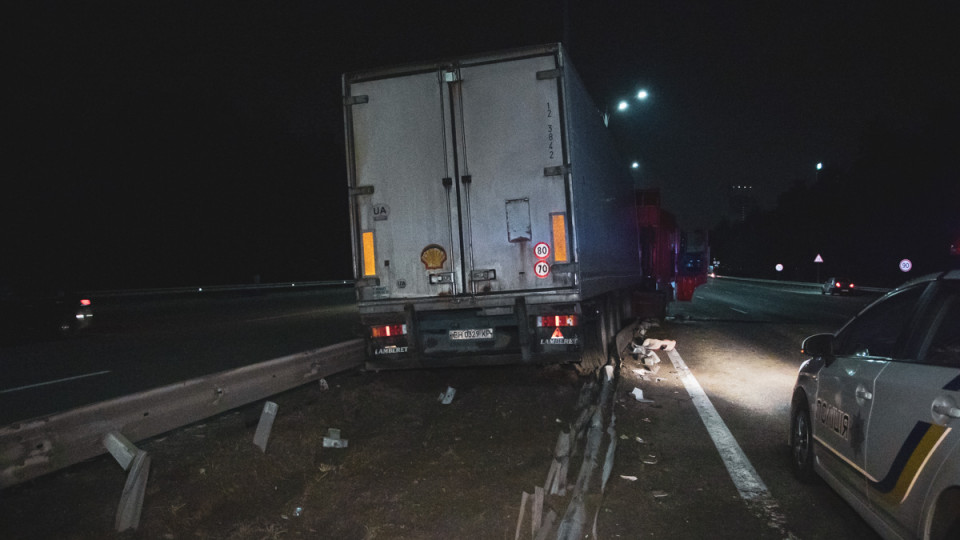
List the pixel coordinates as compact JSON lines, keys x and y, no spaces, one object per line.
{"x":801,"y":443}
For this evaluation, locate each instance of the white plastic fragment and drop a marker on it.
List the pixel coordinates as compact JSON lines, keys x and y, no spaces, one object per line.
{"x":658,"y":494}
{"x":324,"y":385}
{"x":447,"y":397}
{"x":638,"y":394}
{"x":333,"y":440}
{"x":628,"y":478}
{"x":660,"y":344}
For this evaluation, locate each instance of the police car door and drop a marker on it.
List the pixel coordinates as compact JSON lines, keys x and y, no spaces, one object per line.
{"x":862,"y":350}
{"x":915,"y":418}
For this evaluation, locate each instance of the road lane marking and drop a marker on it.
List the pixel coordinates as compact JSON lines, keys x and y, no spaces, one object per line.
{"x":744,"y":476}
{"x":739,"y":310}
{"x":75,"y":377}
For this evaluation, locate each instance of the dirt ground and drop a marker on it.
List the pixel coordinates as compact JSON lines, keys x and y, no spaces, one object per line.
{"x":413,"y":467}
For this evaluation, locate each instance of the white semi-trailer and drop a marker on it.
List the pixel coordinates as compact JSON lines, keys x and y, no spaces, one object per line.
{"x":492,"y":219}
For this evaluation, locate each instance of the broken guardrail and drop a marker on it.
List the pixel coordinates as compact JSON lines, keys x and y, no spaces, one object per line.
{"x":35,"y":447}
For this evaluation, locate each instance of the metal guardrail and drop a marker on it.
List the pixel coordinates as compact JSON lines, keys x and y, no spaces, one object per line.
{"x":219,"y":288}
{"x":803,"y":284}
{"x":35,"y":447}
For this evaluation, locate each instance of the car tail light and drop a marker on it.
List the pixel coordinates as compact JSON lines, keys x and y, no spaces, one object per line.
{"x":851,"y":285}
{"x":388,"y":330}
{"x":85,"y":302}
{"x":839,"y":285}
{"x":551,"y":321}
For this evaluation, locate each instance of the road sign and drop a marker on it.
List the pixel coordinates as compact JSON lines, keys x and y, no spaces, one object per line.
{"x":819,"y":259}
{"x":541,"y":250}
{"x":779,"y":267}
{"x":906,"y":265}
{"x":541,"y":269}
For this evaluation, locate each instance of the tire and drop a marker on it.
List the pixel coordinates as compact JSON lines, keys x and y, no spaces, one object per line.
{"x":801,"y":441}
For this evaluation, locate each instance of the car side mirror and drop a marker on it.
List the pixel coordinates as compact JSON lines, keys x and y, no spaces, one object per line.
{"x":817,"y":345}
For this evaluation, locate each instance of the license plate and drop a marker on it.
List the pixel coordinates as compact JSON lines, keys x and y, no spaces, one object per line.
{"x":472,"y":333}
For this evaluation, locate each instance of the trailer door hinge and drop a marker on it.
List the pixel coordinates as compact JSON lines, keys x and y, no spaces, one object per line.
{"x":559,"y":170}
{"x":549,"y":74}
{"x":361,"y":190}
{"x":355,"y":100}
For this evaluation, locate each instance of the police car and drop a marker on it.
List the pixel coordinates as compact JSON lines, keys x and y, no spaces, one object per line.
{"x":876,"y":410}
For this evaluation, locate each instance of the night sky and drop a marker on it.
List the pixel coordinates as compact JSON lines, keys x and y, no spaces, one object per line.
{"x":201,"y":142}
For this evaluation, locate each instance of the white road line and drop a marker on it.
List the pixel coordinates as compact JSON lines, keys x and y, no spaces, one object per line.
{"x":739,"y":310}
{"x":27,"y":387}
{"x":744,"y":476}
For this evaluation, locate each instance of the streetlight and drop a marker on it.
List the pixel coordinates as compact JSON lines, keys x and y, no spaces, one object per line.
{"x":635,"y":165}
{"x":819,"y":165}
{"x":642,"y":95}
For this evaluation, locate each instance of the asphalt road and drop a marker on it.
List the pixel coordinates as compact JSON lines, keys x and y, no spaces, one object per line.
{"x":140,"y":343}
{"x":739,"y":340}
{"x":741,"y":343}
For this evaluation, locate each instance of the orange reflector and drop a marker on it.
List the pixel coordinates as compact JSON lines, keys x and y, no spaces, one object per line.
{"x":557,"y":334}
{"x":369,"y":260}
{"x":559,"y":223}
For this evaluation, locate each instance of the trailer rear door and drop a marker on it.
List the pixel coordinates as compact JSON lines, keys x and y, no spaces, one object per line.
{"x":457,"y":181}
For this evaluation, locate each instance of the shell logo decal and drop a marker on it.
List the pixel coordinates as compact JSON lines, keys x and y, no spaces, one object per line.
{"x":433,"y":257}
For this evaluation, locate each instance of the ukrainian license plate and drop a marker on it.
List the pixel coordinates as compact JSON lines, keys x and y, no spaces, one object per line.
{"x":472,"y":333}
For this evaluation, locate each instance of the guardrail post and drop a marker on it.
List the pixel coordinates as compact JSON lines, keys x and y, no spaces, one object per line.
{"x":138,"y":462}
{"x":265,"y":425}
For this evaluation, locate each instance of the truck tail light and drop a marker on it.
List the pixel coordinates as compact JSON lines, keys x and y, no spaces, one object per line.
{"x":551,"y":321}
{"x":85,"y":302}
{"x":369,"y":258}
{"x":559,"y":226}
{"x":388,"y":330}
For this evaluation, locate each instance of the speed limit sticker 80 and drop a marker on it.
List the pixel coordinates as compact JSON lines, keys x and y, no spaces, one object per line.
{"x":541,"y":250}
{"x":541,"y":269}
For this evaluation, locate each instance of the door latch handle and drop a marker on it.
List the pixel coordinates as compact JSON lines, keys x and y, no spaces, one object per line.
{"x":946,"y":410}
{"x":863,"y":394}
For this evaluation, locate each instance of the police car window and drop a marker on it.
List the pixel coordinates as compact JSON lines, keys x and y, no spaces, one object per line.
{"x":945,"y":346}
{"x":876,"y":331}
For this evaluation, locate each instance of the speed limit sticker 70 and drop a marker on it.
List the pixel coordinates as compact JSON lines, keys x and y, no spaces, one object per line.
{"x":541,"y":269}
{"x":541,"y":250}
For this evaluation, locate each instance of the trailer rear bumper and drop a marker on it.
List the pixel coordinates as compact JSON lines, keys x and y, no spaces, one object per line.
{"x":521,"y":333}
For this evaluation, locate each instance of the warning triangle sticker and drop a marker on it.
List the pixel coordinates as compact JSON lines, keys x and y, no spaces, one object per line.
{"x":557,"y":334}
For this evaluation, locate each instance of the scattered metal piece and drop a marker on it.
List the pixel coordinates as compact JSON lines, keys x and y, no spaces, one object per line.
{"x":658,"y":494}
{"x":447,"y":397}
{"x":650,"y":459}
{"x":323,"y":385}
{"x":628,"y":478}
